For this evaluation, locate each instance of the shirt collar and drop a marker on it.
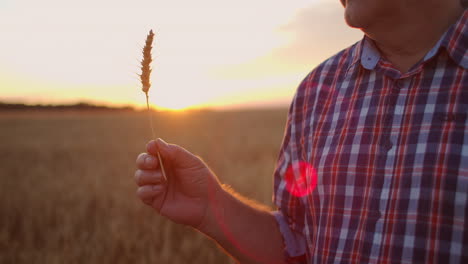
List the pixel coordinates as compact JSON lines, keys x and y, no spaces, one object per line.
{"x":370,"y":55}
{"x":454,"y":40}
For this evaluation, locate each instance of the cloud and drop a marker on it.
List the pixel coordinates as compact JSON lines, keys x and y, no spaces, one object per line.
{"x":316,"y":33}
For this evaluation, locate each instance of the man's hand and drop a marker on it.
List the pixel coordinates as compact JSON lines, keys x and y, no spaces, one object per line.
{"x":193,"y":196}
{"x":189,"y":190}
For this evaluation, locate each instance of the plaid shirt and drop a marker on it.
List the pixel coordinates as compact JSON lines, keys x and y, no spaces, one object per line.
{"x":374,"y":163}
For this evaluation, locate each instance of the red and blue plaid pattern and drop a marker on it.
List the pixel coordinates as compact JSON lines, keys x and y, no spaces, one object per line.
{"x":390,"y":155}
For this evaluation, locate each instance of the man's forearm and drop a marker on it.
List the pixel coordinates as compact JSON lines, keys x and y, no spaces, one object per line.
{"x":248,"y":233}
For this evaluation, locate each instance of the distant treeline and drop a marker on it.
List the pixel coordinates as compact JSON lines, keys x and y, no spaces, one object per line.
{"x":61,"y":107}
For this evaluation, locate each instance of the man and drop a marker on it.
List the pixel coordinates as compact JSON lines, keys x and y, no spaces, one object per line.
{"x":380,"y":131}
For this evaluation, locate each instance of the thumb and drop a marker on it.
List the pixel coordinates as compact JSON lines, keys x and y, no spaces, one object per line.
{"x":176,"y":155}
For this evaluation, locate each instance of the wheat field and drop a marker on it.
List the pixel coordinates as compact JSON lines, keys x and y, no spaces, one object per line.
{"x":67,"y":193}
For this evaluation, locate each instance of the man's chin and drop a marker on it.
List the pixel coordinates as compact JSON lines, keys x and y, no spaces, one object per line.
{"x":353,"y":21}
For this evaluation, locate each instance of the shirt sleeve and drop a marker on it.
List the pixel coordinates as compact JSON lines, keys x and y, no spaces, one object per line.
{"x":294,"y":243}
{"x":290,"y":215}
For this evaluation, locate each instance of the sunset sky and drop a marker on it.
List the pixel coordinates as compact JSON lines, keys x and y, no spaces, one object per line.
{"x":207,"y":53}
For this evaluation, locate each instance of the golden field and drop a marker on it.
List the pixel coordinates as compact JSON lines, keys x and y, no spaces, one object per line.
{"x":67,"y":193}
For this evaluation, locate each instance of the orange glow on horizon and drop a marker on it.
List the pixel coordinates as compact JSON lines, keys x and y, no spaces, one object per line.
{"x":206,"y":54}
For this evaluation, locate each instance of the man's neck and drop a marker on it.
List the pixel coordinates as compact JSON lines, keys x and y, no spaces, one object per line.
{"x":407,"y":42}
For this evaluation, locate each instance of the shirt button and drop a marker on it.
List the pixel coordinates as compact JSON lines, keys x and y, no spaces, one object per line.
{"x":399,"y":83}
{"x":375,"y":214}
{"x":388,"y":119}
{"x":387,"y":145}
{"x":392,"y":100}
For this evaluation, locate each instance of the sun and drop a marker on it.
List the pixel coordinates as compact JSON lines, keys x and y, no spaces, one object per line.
{"x":174,"y":103}
{"x":174,"y":107}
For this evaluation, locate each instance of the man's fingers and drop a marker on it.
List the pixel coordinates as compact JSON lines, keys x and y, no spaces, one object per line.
{"x":146,"y":161}
{"x":152,"y":195}
{"x":149,"y":192}
{"x":148,"y":177}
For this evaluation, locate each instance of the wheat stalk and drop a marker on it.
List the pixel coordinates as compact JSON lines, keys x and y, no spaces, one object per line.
{"x":146,"y":84}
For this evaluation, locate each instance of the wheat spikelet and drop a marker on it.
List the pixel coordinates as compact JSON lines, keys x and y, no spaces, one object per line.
{"x":146,"y":84}
{"x":146,"y":63}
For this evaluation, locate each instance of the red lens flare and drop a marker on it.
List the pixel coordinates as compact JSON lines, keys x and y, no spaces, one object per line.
{"x":301,"y":179}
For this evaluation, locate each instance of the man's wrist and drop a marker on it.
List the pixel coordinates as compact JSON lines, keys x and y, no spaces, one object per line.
{"x":217,"y":202}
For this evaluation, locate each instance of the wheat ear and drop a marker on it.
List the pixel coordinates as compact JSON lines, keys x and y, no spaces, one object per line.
{"x":146,"y":84}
